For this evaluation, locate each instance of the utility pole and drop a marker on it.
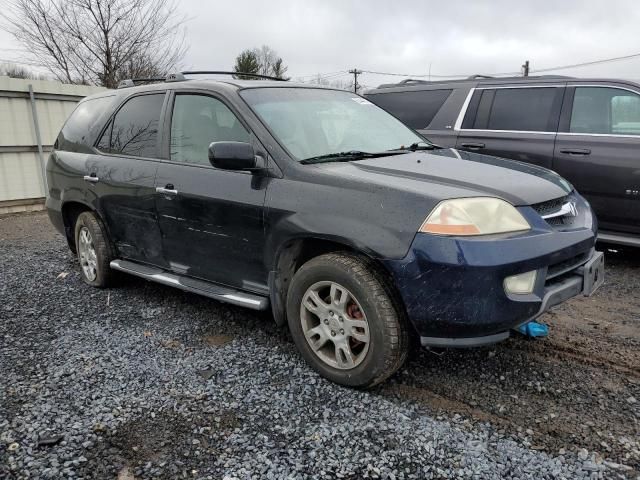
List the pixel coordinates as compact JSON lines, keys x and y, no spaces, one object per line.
{"x":355,"y":72}
{"x":525,"y":68}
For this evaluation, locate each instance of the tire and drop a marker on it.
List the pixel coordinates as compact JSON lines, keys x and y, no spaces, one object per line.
{"x":94,"y":257}
{"x":351,"y":290}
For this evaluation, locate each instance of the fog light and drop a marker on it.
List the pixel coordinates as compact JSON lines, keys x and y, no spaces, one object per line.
{"x":520,"y":284}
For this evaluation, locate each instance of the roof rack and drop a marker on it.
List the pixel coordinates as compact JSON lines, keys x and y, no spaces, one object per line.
{"x":180,"y":76}
{"x":254,"y":75}
{"x":479,"y":78}
{"x":131,"y":82}
{"x":412,"y":80}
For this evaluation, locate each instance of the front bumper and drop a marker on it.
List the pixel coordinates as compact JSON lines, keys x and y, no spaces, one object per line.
{"x":452,"y":287}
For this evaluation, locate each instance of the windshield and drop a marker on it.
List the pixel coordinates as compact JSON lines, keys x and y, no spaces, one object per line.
{"x":311,"y":122}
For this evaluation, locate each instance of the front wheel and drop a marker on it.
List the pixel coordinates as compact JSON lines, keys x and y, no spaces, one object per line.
{"x":343,"y":320}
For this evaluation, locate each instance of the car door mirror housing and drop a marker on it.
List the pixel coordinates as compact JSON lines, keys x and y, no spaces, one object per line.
{"x":234,"y":156}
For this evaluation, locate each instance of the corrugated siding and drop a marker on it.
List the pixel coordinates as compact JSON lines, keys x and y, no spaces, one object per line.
{"x":20,"y":176}
{"x":20,"y":172}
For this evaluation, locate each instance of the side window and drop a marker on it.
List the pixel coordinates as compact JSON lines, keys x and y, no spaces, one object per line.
{"x":198,"y":120}
{"x":76,"y":131}
{"x":605,"y":110}
{"x":519,"y":109}
{"x":523,"y":109}
{"x":134,"y":130}
{"x":414,"y":108}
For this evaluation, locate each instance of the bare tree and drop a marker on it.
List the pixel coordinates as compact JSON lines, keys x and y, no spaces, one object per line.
{"x":266,"y":58}
{"x":100,"y":41}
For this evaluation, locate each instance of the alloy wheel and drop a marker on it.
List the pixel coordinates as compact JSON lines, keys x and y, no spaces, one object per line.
{"x":87,"y":254}
{"x":335,"y":325}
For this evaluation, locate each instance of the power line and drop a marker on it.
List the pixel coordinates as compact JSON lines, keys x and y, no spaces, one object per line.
{"x":502,"y":74}
{"x":412,"y":75}
{"x":323,"y":75}
{"x":335,"y":75}
{"x":586,"y":64}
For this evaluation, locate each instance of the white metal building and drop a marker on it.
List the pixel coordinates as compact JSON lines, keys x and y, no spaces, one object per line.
{"x":24,"y":117}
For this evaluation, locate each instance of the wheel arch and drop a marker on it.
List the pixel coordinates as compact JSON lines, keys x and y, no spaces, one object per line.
{"x":295,"y":252}
{"x":71,"y":210}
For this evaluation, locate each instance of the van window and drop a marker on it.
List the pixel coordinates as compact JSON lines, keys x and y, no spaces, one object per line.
{"x":605,"y":110}
{"x":134,"y":130}
{"x":76,"y":131}
{"x":198,"y":120}
{"x":516,"y":109}
{"x":414,"y":108}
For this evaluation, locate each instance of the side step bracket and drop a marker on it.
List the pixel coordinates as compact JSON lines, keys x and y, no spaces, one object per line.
{"x":188,"y":284}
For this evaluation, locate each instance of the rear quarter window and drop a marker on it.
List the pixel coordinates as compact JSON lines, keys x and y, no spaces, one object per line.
{"x":134,"y":129}
{"x":76,"y":134}
{"x":416,"y":108}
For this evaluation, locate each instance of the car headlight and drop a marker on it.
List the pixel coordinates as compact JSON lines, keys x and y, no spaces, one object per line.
{"x":474,"y":216}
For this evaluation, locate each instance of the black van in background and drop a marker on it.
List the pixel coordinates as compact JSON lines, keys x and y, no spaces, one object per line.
{"x":587,"y":130}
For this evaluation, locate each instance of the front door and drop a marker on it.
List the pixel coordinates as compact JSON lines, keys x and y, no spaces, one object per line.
{"x":211,"y":220}
{"x":598,"y":151}
{"x":122,"y":177}
{"x":512,"y":122}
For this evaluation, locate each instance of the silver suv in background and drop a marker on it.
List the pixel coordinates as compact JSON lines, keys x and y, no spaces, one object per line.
{"x":587,"y":130}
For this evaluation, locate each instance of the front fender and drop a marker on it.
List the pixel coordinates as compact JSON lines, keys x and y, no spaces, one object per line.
{"x":366,"y":237}
{"x":374,"y":220}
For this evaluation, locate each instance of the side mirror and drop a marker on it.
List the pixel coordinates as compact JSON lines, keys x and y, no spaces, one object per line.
{"x":234,"y":156}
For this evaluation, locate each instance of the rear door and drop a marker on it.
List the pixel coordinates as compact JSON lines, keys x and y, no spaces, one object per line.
{"x":598,"y":150}
{"x":121,"y":177}
{"x":518,"y":122}
{"x":211,"y":220}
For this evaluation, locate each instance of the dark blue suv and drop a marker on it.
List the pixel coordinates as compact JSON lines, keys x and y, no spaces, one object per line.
{"x":320,"y":206}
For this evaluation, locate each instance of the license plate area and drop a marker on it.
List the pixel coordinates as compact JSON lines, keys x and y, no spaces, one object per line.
{"x":593,"y":272}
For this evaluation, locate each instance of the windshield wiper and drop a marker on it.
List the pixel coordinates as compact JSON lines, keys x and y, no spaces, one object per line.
{"x":416,"y":146}
{"x":346,"y":156}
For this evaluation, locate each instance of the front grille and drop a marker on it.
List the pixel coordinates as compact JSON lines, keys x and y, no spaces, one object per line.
{"x":560,"y":221}
{"x":545,"y":208}
{"x":554,"y":206}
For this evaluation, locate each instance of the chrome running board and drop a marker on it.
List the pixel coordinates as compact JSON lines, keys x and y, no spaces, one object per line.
{"x":188,"y":284}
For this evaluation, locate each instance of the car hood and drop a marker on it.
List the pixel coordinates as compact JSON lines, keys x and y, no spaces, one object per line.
{"x":454,"y":173}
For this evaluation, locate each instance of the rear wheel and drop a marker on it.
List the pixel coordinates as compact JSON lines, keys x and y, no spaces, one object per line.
{"x":344,"y":322}
{"x":94,"y":251}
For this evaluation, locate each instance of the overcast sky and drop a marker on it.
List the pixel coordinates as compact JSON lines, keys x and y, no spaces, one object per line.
{"x":450,"y":37}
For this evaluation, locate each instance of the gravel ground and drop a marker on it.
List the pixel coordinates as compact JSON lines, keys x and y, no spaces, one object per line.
{"x":143,"y":381}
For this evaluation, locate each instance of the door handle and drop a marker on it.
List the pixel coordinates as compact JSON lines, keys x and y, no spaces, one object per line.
{"x":91,"y":178}
{"x":473,"y":146}
{"x":168,"y":189}
{"x":576,"y":151}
